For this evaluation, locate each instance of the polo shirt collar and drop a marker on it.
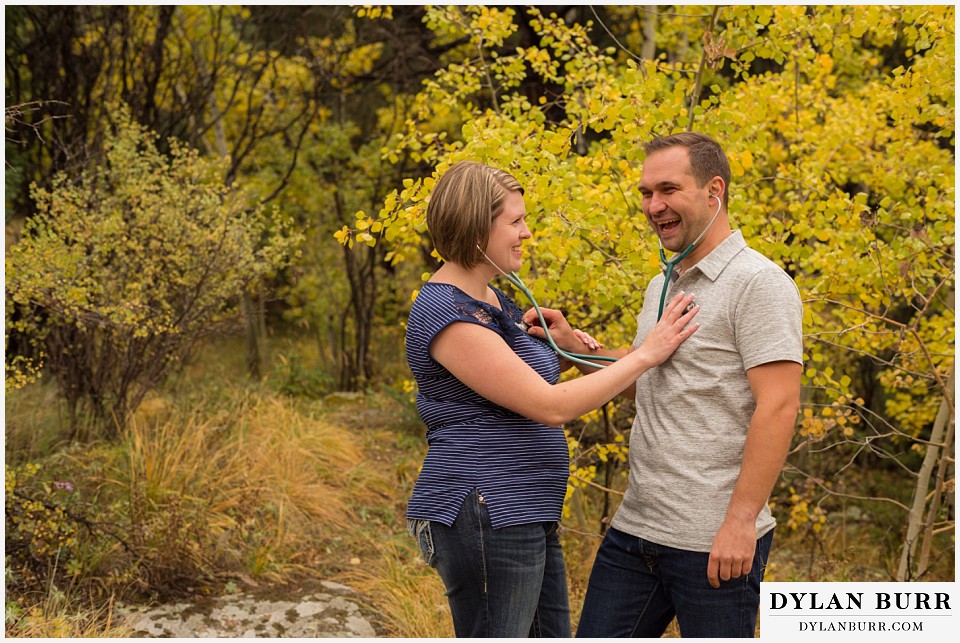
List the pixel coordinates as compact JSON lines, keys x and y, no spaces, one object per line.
{"x":714,"y":263}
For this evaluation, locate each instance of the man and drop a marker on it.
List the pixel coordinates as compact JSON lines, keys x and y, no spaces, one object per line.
{"x":713,"y":424}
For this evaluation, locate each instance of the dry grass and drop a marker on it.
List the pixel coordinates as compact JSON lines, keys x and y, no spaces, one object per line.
{"x":302,"y":465}
{"x":408,"y":595}
{"x":33,"y":422}
{"x":59,"y":617}
{"x":229,"y":483}
{"x":263,"y":485}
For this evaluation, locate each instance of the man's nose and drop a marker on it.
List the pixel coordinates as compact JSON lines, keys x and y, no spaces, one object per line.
{"x":655,"y":204}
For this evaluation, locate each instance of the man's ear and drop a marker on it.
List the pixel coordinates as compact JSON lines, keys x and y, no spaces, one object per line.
{"x":716,"y":187}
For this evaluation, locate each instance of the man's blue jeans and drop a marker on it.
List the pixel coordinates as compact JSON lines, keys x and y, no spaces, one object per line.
{"x":508,"y":582}
{"x":637,"y":587}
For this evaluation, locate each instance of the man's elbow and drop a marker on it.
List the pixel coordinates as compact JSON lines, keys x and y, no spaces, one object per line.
{"x":785,"y":413}
{"x":790,"y":405}
{"x":790,"y":414}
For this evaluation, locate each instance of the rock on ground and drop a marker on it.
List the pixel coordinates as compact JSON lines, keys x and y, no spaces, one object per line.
{"x":331,"y":611}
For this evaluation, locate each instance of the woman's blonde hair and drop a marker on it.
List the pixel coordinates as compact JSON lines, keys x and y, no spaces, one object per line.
{"x":462,"y":207}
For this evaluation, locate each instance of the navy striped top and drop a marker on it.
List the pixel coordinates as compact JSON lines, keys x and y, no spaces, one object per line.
{"x":518,"y":465}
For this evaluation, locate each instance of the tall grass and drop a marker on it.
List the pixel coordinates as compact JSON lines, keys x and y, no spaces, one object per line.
{"x":408,"y":595}
{"x":257,"y":491}
{"x":247,"y":487}
{"x":59,"y":616}
{"x":34,"y":422}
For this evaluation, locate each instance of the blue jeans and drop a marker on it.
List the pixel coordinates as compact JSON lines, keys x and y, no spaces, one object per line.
{"x":637,"y":587}
{"x":504,"y":583}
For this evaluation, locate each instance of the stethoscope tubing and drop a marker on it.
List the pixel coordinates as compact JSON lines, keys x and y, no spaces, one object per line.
{"x":591,"y":360}
{"x":668,"y":266}
{"x":577,"y":358}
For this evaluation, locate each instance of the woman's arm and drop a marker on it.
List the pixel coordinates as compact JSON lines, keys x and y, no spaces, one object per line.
{"x":569,"y":340}
{"x":480,"y":358}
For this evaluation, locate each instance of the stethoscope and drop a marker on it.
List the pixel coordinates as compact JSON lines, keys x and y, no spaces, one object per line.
{"x":577,"y":358}
{"x":668,"y":266}
{"x":591,"y":360}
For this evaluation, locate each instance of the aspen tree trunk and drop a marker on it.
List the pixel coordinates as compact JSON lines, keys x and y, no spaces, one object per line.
{"x":649,"y":49}
{"x":941,"y":439}
{"x":946,"y":459}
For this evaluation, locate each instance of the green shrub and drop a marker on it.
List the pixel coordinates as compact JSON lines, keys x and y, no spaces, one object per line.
{"x":41,"y":524}
{"x":126,"y":267}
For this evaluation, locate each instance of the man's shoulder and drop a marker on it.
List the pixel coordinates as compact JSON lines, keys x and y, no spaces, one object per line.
{"x":752,"y":263}
{"x":752,"y":276}
{"x":752,"y":258}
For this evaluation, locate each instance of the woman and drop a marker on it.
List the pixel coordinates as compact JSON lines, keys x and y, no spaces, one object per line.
{"x":487,"y":504}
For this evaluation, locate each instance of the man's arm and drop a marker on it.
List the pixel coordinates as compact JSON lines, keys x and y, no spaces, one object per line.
{"x":776,"y":389}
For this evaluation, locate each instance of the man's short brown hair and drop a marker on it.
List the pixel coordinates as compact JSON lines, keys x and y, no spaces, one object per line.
{"x":462,"y":207}
{"x":707,"y":158}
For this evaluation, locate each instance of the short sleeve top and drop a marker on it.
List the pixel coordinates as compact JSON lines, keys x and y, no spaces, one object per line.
{"x":518,"y":465}
{"x":694,"y":410}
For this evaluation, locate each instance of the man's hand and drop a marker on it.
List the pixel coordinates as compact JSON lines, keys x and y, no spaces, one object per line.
{"x":731,"y":555}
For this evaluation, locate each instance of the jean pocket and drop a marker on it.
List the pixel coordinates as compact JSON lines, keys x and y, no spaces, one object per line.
{"x":420,"y":530}
{"x":551,"y":528}
{"x":763,"y":554}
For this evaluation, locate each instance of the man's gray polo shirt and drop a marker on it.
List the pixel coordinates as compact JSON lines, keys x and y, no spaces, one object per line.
{"x":693,"y":410}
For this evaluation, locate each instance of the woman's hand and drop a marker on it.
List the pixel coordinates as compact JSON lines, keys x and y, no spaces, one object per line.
{"x":672,"y":330}
{"x":557,"y":324}
{"x":572,"y":340}
{"x":587,"y":340}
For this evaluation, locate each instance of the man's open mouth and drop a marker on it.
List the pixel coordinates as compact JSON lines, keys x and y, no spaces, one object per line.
{"x":666,"y":226}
